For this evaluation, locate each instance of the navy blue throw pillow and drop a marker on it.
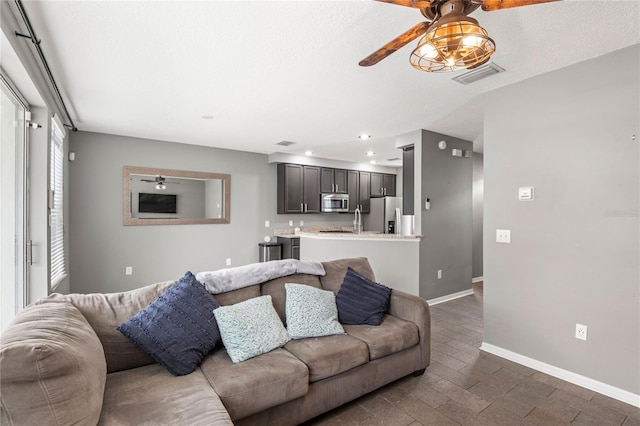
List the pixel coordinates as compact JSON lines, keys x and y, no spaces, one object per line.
{"x":361,"y":301}
{"x":178,"y":328}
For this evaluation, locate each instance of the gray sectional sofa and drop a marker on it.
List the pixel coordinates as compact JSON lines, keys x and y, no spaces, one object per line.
{"x":63,"y":362}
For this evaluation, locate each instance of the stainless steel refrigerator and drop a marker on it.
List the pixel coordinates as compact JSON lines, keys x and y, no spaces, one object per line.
{"x":384,"y":216}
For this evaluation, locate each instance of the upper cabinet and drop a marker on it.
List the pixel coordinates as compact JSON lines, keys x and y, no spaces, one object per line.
{"x":298,"y":189}
{"x":359,"y":190}
{"x":365,"y":191}
{"x":333,"y":181}
{"x":383,"y":185}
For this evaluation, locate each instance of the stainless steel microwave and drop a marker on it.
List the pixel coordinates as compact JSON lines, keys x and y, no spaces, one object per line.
{"x":334,"y":202}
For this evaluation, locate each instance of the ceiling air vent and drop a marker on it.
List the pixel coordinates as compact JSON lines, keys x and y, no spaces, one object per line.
{"x":285,"y":143}
{"x":479,"y":73}
{"x":394,"y":159}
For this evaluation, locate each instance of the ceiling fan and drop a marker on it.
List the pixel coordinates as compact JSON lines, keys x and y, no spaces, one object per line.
{"x":160,"y":181}
{"x":453,"y":40}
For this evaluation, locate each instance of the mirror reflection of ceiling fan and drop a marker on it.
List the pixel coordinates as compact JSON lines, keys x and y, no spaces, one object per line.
{"x":160,"y":181}
{"x":453,"y":40}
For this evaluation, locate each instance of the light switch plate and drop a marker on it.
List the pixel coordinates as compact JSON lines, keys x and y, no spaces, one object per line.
{"x":525,"y":193}
{"x":503,"y":236}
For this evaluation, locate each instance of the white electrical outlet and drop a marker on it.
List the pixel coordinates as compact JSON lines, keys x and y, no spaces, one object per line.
{"x":503,"y":236}
{"x":581,"y":332}
{"x":266,"y":223}
{"x":290,"y":223}
{"x":302,"y":223}
{"x":439,"y":274}
{"x":228,"y":261}
{"x":128,"y":270}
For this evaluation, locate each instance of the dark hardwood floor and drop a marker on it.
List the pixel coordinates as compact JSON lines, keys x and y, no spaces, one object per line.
{"x":465,"y":386}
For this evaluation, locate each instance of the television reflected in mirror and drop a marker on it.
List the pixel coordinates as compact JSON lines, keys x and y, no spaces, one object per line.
{"x":157,"y":203}
{"x":168,"y":197}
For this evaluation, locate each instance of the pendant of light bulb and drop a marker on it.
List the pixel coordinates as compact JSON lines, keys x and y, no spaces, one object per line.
{"x":457,"y":42}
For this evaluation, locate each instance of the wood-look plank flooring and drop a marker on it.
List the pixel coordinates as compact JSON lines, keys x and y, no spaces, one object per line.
{"x":465,"y":386}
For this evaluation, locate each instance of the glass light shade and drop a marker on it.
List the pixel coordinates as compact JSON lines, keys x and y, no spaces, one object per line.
{"x":161,"y":185}
{"x":455,"y":44}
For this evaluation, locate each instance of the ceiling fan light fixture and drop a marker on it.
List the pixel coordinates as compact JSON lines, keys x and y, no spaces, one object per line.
{"x":457,"y":42}
{"x":161,"y":185}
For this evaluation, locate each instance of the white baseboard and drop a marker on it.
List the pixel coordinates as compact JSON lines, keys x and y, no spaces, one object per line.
{"x":477,"y":279}
{"x":449,"y":297}
{"x":576,"y":379}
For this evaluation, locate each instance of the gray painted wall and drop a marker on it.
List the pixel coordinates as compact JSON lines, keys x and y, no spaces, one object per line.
{"x":447,"y":226}
{"x":101,"y":247}
{"x":574,"y":255}
{"x":478,"y":196}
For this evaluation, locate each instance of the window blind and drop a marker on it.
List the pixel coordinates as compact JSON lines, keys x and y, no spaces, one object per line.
{"x":57,"y":267}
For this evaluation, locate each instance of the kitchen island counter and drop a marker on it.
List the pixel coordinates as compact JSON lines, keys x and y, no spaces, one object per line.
{"x":394,"y":258}
{"x":364,"y":235}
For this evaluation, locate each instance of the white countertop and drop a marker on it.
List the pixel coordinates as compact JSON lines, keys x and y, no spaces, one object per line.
{"x":363,"y":236}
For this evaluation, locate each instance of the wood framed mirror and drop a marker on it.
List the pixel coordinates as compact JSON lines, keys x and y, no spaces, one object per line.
{"x":174,"y":197}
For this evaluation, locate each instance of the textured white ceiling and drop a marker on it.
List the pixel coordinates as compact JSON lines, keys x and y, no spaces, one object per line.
{"x":269,"y":71}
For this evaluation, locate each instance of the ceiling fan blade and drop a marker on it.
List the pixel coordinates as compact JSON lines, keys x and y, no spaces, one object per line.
{"x":489,"y":5}
{"x":395,"y":44}
{"x":418,"y":4}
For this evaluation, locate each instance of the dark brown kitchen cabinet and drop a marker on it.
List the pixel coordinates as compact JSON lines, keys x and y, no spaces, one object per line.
{"x":298,"y":189}
{"x":333,"y":181}
{"x":290,"y":247}
{"x":376,"y":185}
{"x":389,"y":185}
{"x":359,"y":187}
{"x":383,"y":185}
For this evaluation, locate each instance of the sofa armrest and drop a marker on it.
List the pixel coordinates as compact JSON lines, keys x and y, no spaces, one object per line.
{"x":415,"y":309}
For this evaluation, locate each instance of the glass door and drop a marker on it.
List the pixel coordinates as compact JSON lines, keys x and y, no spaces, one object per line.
{"x":13,"y":203}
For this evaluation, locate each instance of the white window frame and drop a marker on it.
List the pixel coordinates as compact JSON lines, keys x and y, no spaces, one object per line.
{"x":57,"y":262}
{"x":14,"y":159}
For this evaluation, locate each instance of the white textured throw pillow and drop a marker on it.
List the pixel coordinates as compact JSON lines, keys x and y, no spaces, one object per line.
{"x":250,"y":328}
{"x":311,"y":312}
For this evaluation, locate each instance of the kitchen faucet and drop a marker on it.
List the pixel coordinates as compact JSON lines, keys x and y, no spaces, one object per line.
{"x":357,"y":221}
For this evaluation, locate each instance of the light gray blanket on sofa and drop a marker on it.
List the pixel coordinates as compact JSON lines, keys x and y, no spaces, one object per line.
{"x":224,"y":280}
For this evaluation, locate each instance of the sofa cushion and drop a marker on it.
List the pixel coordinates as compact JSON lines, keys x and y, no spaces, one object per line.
{"x":361,"y":301}
{"x":237,"y":296}
{"x":178,"y":328}
{"x":275,"y":289}
{"x":329,"y":355}
{"x":250,"y":328}
{"x":311,"y":312}
{"x":337,"y":269}
{"x":256,"y":384}
{"x":107,"y":311}
{"x":53,"y":367}
{"x":149,"y":395}
{"x":392,"y":336}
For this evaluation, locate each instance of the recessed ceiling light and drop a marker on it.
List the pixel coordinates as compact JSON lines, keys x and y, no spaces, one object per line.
{"x":364,"y":136}
{"x":308,"y":152}
{"x":370,"y":153}
{"x":372,"y":161}
{"x":207,"y":117}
